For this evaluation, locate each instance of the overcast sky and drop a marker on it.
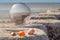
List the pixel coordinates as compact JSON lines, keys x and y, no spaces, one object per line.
{"x":29,"y":1}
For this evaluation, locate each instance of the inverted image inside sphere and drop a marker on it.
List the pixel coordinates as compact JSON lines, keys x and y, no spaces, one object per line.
{"x":19,"y":12}
{"x":20,"y":8}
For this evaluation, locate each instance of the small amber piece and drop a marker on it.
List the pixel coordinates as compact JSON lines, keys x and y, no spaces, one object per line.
{"x":31,"y":32}
{"x":21,"y":33}
{"x":13,"y":33}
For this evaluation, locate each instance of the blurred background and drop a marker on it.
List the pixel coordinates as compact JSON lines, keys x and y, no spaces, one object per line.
{"x":35,"y":8}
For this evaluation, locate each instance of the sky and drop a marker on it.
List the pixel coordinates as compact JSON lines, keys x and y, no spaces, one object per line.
{"x":30,"y":1}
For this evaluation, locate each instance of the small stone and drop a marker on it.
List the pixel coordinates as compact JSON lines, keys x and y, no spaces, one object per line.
{"x":13,"y":33}
{"x":21,"y":33}
{"x":31,"y":31}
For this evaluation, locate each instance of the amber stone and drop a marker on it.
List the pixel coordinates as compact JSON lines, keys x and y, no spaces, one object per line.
{"x":13,"y":33}
{"x":31,"y":32}
{"x":21,"y":33}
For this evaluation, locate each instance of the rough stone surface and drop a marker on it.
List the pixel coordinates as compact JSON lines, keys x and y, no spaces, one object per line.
{"x":53,"y":32}
{"x":40,"y":34}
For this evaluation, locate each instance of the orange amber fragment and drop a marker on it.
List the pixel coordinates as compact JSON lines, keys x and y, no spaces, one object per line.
{"x":21,"y":33}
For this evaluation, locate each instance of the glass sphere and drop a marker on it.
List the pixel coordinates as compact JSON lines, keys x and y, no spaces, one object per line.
{"x":18,"y":12}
